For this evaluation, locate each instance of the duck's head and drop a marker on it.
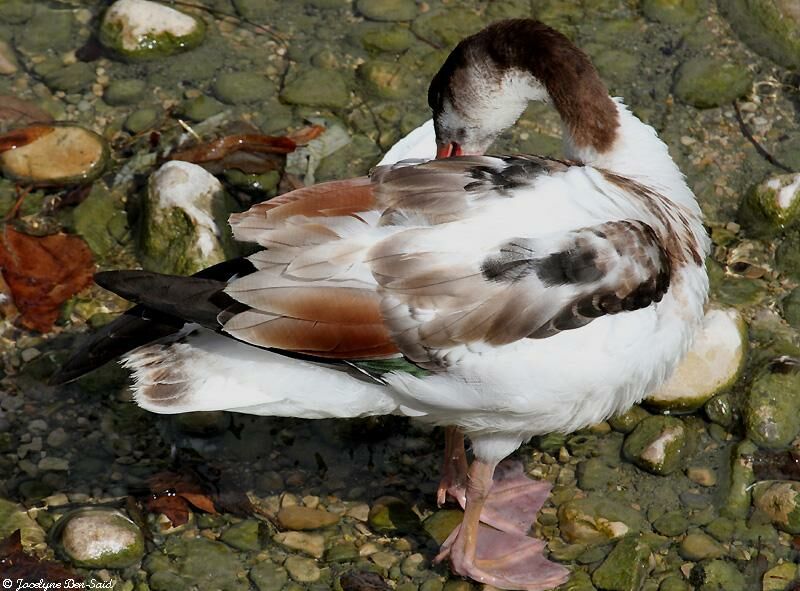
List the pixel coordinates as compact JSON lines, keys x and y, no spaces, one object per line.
{"x":489,"y":78}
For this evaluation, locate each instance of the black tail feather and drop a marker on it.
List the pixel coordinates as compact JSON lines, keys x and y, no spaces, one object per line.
{"x":165,"y":304}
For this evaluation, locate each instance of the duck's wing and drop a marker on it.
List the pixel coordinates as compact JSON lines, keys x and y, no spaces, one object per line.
{"x":440,"y":294}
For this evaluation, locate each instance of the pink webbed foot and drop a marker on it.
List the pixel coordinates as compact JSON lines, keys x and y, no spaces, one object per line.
{"x":506,"y":561}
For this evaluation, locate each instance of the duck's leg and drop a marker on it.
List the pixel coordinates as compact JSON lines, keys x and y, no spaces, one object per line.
{"x":454,"y":469}
{"x":506,"y":560}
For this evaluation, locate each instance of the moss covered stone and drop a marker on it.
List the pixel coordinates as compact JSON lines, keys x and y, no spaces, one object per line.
{"x":737,"y":501}
{"x":625,"y":568}
{"x":706,"y":82}
{"x":772,"y":408}
{"x":390,"y":39}
{"x":243,"y":536}
{"x":718,"y":575}
{"x":771,"y":27}
{"x":658,"y":444}
{"x":387,"y":10}
{"x":710,"y":367}
{"x":75,"y":77}
{"x":96,"y":217}
{"x":16,"y":12}
{"x":125,"y":92}
{"x":142,"y":30}
{"x":317,"y":88}
{"x":236,"y":88}
{"x":268,"y":576}
{"x":48,"y":30}
{"x":390,"y":514}
{"x":674,"y":12}
{"x":771,"y":206}
{"x":597,"y":520}
{"x":142,"y":119}
{"x":387,"y":79}
{"x":441,"y":524}
{"x":787,"y":255}
{"x":700,"y":546}
{"x":100,"y":538}
{"x":447,"y":28}
{"x":791,"y":308}
{"x":780,"y":500}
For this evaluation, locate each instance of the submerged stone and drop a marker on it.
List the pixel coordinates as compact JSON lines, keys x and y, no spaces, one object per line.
{"x":298,"y":517}
{"x":15,"y":517}
{"x":441,"y":524}
{"x":711,"y":366}
{"x":317,"y":88}
{"x":387,"y":10}
{"x":179,"y":233}
{"x":390,"y":514}
{"x":386,"y":79}
{"x":98,"y":219}
{"x":791,"y":308}
{"x":787,"y":256}
{"x":626,"y":566}
{"x":772,"y":407}
{"x":445,"y":28}
{"x":699,"y":546}
{"x":242,"y":536}
{"x":60,"y":155}
{"x":141,"y":30}
{"x":100,"y":538}
{"x":391,"y":39}
{"x":8,"y":61}
{"x":771,"y":206}
{"x":125,"y":92}
{"x":75,"y":77}
{"x":311,"y":544}
{"x":780,"y":500}
{"x":737,"y":503}
{"x":268,"y":576}
{"x":674,"y":12}
{"x":627,"y":421}
{"x":596,"y":520}
{"x":236,"y":88}
{"x":771,"y":27}
{"x":658,"y":444}
{"x":719,"y":575}
{"x":705,"y":82}
{"x":780,"y":577}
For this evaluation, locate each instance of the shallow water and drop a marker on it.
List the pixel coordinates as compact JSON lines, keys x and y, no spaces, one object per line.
{"x":105,"y":448}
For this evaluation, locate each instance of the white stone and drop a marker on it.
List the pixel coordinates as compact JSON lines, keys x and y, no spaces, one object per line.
{"x":139,"y":18}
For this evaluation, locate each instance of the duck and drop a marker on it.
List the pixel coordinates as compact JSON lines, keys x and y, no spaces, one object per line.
{"x":500,"y":297}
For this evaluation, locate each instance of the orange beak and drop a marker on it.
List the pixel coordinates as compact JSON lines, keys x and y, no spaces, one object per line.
{"x":448,"y":150}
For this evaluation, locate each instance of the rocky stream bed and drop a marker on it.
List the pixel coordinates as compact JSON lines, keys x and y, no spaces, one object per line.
{"x":696,"y":490}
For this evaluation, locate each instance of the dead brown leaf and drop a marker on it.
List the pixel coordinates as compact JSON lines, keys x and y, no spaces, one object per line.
{"x":171,"y":494}
{"x":16,"y":112}
{"x":42,"y":272}
{"x":22,"y":137}
{"x":15,"y":564}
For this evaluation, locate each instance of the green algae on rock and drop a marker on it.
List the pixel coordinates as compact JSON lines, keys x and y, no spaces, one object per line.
{"x":780,"y":500}
{"x":787,"y":255}
{"x":718,"y":575}
{"x":387,"y":10}
{"x":700,"y":546}
{"x":625,"y":568}
{"x":317,"y":88}
{"x":386,"y":79}
{"x":771,"y":27}
{"x":391,"y":514}
{"x":658,"y":444}
{"x":125,"y":92}
{"x":705,"y":82}
{"x":674,"y":12}
{"x":243,"y":536}
{"x":771,"y":206}
{"x":737,"y":501}
{"x":179,"y":233}
{"x":143,"y":30}
{"x":597,"y":520}
{"x":238,"y":88}
{"x":791,"y":308}
{"x":780,"y":577}
{"x":710,"y":367}
{"x":98,"y":219}
{"x":772,"y":408}
{"x":627,"y":421}
{"x":441,"y":524}
{"x":95,"y":537}
{"x":62,"y":155}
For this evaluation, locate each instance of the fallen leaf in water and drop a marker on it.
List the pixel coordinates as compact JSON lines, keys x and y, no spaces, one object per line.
{"x":42,"y":272}
{"x":16,"y":112}
{"x":173,"y":494}
{"x":363,"y":581}
{"x":15,"y":564}
{"x":22,"y":137}
{"x":776,"y":465}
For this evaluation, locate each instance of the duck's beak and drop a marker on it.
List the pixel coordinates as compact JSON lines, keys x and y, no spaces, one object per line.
{"x":448,"y":150}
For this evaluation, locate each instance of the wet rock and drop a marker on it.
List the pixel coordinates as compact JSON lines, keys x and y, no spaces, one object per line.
{"x":674,"y":12}
{"x":702,"y":475}
{"x":317,"y":88}
{"x":207,"y":565}
{"x":302,"y":570}
{"x":389,"y":39}
{"x":53,"y":464}
{"x":237,"y":88}
{"x":75,"y":77}
{"x":302,"y":518}
{"x":101,"y":220}
{"x":141,"y":30}
{"x":387,"y":10}
{"x":771,"y":206}
{"x":268,"y":576}
{"x":658,"y":444}
{"x":99,"y":538}
{"x":712,"y":365}
{"x":441,"y":524}
{"x":780,"y":500}
{"x":201,"y":108}
{"x":674,"y":583}
{"x":627,"y":421}
{"x":16,"y":12}
{"x":772,"y":408}
{"x":699,"y":546}
{"x":787,"y":256}
{"x":387,"y":79}
{"x":142,"y":119}
{"x":390,"y":514}
{"x":737,"y":503}
{"x":447,"y":28}
{"x":705,"y":82}
{"x":718,"y":575}
{"x":243,"y":536}
{"x":345,"y":552}
{"x":780,"y":578}
{"x":720,"y":410}
{"x":311,"y":544}
{"x":596,"y":474}
{"x":66,"y":154}
{"x":672,"y":523}
{"x":259,"y":11}
{"x":8,"y":61}
{"x":791,"y":308}
{"x":596,"y":520}
{"x":48,"y":30}
{"x":179,"y":234}
{"x":771,"y":27}
{"x":626,"y":566}
{"x":125,"y":92}
{"x":578,"y":581}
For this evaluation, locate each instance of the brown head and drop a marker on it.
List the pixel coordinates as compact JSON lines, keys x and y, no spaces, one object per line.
{"x":489,"y":78}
